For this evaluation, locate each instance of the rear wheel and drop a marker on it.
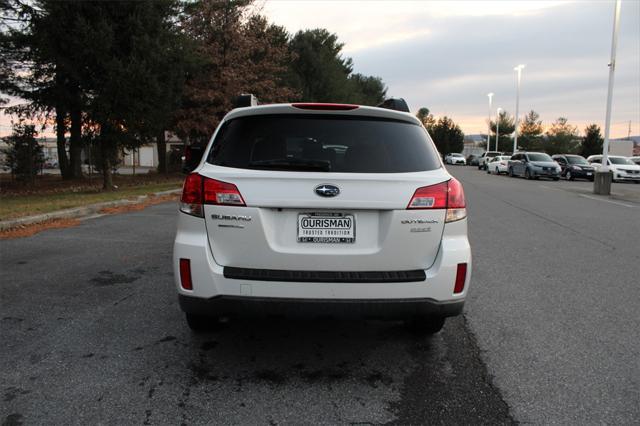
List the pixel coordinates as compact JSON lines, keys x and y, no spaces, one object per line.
{"x":202,"y":323}
{"x":555,"y":178}
{"x":425,"y":325}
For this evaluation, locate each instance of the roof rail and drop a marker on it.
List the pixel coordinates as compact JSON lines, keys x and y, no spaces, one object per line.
{"x":397,"y":104}
{"x":245,"y":100}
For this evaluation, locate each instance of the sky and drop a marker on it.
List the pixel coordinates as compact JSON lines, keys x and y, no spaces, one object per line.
{"x":447,"y":56}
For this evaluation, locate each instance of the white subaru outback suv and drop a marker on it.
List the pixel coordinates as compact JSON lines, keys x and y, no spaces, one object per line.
{"x":322,"y":210}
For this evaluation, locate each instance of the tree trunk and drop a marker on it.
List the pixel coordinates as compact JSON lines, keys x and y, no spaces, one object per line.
{"x":61,"y":142}
{"x":107,"y":146}
{"x":161,"y":143}
{"x":76,"y":142}
{"x":107,"y":176}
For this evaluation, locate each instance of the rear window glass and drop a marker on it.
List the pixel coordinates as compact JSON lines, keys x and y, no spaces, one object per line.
{"x":576,"y":159}
{"x":323,"y":143}
{"x":539,"y":157}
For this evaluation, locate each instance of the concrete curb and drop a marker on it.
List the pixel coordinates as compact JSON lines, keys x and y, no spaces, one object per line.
{"x":78,"y":212}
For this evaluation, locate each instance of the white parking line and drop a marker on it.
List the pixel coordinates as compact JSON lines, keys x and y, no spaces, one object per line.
{"x":607,"y":201}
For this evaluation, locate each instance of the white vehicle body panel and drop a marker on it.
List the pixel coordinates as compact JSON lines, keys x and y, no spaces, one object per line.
{"x":389,"y":237}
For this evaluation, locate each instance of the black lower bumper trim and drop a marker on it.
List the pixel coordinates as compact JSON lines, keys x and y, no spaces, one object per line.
{"x":324,"y":276}
{"x":236,"y":306}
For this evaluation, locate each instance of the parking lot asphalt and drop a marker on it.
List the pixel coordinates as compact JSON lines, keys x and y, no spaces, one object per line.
{"x":92,"y":333}
{"x":556,"y":297}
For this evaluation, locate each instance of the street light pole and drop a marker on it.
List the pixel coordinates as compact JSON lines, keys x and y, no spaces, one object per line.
{"x":490,"y":95}
{"x":498,"y":111}
{"x":518,"y":69}
{"x":602,"y":181}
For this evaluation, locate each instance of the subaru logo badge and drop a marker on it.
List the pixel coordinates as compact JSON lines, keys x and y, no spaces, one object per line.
{"x":327,"y":190}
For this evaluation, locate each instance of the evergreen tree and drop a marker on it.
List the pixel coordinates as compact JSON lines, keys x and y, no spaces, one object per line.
{"x":320,"y":73}
{"x":562,"y":138}
{"x":592,"y":141}
{"x":507,"y":127}
{"x":23,"y":155}
{"x":427,"y":119}
{"x":447,"y":136}
{"x":530,"y":134}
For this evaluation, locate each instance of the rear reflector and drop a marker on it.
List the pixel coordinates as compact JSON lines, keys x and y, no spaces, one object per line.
{"x":329,"y":107}
{"x":461,"y":276}
{"x":185,"y":274}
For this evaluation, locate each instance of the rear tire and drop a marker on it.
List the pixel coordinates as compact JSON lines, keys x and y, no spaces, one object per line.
{"x":202,"y":323}
{"x":556,"y":179}
{"x":425,"y":325}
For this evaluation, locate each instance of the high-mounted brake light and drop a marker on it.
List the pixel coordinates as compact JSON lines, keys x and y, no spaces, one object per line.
{"x":446,"y":195}
{"x":330,"y":107}
{"x":199,"y":190}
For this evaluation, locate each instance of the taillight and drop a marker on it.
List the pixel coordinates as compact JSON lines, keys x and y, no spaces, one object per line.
{"x":446,"y":195}
{"x":461,"y":276}
{"x":192,"y":199}
{"x":199,"y":190}
{"x":185,"y":274}
{"x":430,"y":197}
{"x":221,"y":193}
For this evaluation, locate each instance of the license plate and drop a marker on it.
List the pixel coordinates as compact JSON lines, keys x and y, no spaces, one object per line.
{"x":589,"y":173}
{"x":326,"y":228}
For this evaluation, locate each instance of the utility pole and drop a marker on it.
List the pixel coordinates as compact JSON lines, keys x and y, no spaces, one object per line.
{"x":602,"y":181}
{"x":518,"y":69}
{"x":498,"y":111}
{"x":490,"y":95}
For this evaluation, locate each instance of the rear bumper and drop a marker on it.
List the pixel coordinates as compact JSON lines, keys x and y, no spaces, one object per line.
{"x":231,"y":306}
{"x":581,"y":174}
{"x":233,"y":291}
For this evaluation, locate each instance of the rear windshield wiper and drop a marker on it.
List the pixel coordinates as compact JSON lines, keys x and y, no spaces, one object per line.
{"x":292,"y":164}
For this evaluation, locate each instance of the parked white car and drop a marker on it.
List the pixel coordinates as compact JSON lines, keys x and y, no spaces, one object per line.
{"x":316,"y":209}
{"x":455,"y":158}
{"x":635,"y":160}
{"x":485,"y":157}
{"x":622,"y":168}
{"x":499,"y":164}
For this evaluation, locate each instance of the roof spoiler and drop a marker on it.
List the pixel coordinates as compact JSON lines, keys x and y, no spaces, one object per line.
{"x":397,"y":104}
{"x":245,"y":100}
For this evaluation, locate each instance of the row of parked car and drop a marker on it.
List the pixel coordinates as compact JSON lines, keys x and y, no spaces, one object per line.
{"x":534,"y":165}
